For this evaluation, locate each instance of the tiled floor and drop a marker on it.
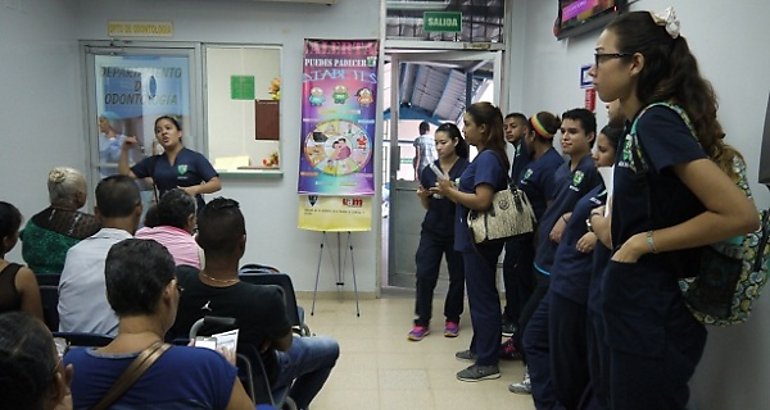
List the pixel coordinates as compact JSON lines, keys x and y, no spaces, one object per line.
{"x":380,"y":369}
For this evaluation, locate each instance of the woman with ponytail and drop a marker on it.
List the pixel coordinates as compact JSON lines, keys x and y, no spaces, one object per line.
{"x":18,"y":286}
{"x":484,"y":176}
{"x":538,"y":183}
{"x":670,"y":197}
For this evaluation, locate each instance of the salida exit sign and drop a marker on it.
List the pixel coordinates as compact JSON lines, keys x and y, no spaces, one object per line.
{"x":442,"y":21}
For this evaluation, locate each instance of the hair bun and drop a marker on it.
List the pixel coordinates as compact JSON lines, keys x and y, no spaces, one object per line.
{"x":57,"y":175}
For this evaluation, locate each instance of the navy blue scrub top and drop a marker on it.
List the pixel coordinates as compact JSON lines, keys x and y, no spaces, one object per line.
{"x":189,"y":169}
{"x":664,"y":141}
{"x":521,"y":159}
{"x":571,"y":270}
{"x":538,"y":183}
{"x":488,"y":169}
{"x":439,"y":219}
{"x":570,"y":187}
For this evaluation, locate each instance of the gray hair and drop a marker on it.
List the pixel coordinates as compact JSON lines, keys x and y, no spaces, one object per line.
{"x":64,"y":184}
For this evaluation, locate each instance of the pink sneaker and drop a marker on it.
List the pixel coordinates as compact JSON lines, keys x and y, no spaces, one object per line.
{"x":451,"y":329}
{"x":418,"y":332}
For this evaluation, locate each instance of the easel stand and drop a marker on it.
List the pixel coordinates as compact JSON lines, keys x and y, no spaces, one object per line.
{"x":341,"y":262}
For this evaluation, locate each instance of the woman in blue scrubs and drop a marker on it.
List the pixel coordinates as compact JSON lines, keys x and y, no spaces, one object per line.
{"x":669,"y":198}
{"x":437,"y":238}
{"x":176,"y":167}
{"x":487,"y":174}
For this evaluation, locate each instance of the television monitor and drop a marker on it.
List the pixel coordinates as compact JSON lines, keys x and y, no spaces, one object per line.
{"x":581,"y":16}
{"x":764,"y":159}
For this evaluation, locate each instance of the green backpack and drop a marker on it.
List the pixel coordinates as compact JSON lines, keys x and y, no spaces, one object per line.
{"x":731,"y":273}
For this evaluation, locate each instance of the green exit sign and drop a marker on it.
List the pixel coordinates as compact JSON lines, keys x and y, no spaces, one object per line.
{"x":442,"y":21}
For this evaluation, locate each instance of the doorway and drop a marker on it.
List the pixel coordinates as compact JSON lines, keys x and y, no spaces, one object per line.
{"x":425,"y":86}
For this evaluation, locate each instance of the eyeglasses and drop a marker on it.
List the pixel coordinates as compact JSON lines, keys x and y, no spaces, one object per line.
{"x":599,"y":57}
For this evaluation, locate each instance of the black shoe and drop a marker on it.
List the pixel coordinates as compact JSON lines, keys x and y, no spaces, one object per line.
{"x":466,"y":355}
{"x":509,"y":329}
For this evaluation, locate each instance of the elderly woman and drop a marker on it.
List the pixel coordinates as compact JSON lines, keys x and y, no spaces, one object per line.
{"x":144,"y":293}
{"x":49,"y":234}
{"x":32,"y":376}
{"x":172,"y":223}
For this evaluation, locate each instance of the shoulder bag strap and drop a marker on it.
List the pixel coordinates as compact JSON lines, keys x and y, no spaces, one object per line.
{"x":134,"y":371}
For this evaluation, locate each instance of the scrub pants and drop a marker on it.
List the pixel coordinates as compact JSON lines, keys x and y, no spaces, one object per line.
{"x":543,"y":282}
{"x":654,"y":341}
{"x":484,"y":301}
{"x":428,"y":260}
{"x":569,"y":353}
{"x":538,"y":353}
{"x":517,"y":276}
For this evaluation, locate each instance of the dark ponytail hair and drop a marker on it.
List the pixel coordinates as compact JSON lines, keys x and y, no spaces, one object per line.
{"x":10,"y":221}
{"x":461,"y":148}
{"x":489,"y":115}
{"x":27,"y":360}
{"x":170,"y":118}
{"x":613,"y":134}
{"x":671,"y":72}
{"x":545,"y":126}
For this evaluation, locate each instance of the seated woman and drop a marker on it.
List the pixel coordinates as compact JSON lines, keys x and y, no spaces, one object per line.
{"x":52,"y":232}
{"x":143,"y":292}
{"x":18,"y":285}
{"x":172,"y":223}
{"x":32,"y":375}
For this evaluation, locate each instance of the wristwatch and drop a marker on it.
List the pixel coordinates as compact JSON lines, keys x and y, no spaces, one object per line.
{"x":589,"y":226}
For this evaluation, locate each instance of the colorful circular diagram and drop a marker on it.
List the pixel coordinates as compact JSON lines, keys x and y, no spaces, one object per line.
{"x":338,"y":147}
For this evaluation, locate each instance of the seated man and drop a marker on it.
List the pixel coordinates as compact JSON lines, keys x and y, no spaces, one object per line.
{"x":83,"y":304}
{"x":259,"y":310}
{"x":142,"y":290}
{"x":173,"y":227}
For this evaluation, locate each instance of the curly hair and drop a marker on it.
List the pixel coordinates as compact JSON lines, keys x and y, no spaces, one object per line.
{"x":671,"y":73}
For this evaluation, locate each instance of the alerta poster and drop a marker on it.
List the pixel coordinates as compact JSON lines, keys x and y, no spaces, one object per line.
{"x":339,"y":103}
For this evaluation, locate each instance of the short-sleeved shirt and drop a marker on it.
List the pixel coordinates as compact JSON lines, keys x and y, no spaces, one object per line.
{"x":665,"y":141}
{"x":83,"y":305}
{"x":180,"y":243}
{"x":521,"y":159}
{"x":487,"y":168}
{"x":440,"y":217}
{"x":425,"y":145}
{"x":570,"y":187}
{"x":259,"y":311}
{"x":538,"y":183}
{"x":571,"y":270}
{"x":182,"y":378}
{"x":189,"y":169}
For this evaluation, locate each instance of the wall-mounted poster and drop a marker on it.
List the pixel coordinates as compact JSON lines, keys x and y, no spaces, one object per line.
{"x":339,"y":105}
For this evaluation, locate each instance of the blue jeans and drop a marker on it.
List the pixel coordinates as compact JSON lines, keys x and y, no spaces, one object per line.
{"x":307,"y":364}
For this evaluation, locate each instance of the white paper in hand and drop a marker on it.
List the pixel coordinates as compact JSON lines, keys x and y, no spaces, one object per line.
{"x":606,"y":174}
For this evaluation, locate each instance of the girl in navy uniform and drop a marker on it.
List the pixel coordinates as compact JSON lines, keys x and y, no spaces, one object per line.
{"x":176,"y":167}
{"x":437,"y":237}
{"x":570,"y":275}
{"x":597,"y":394}
{"x":487,"y":174}
{"x":668,"y":199}
{"x":538,"y":183}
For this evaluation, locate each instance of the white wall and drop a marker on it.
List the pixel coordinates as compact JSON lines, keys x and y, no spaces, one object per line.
{"x":730,"y":41}
{"x":269,"y":204}
{"x":40,"y":117}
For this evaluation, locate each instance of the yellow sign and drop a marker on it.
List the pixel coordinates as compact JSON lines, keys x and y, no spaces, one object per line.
{"x":140,"y":29}
{"x":335,"y":213}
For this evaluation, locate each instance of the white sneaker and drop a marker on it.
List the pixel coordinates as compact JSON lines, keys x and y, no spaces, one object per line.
{"x":523,"y":387}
